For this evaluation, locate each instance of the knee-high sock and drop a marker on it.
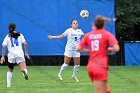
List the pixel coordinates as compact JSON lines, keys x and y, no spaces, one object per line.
{"x":9,"y":78}
{"x":75,"y":69}
{"x":63,"y":68}
{"x":26,"y":71}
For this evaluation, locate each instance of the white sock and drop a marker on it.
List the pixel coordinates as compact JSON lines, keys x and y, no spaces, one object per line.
{"x":75,"y":69}
{"x":26,"y":71}
{"x":9,"y":78}
{"x":63,"y":68}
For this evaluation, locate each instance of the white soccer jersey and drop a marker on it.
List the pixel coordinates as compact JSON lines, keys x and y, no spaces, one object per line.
{"x":14,"y":46}
{"x":73,"y":38}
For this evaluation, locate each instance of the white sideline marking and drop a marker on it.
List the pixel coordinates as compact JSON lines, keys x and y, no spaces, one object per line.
{"x":10,"y":92}
{"x":42,"y":90}
{"x":123,"y":89}
{"x":78,"y":89}
{"x":80,"y":83}
{"x":43,"y":83}
{"x":68,"y":83}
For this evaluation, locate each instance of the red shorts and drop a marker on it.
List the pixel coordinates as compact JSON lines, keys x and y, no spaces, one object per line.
{"x":97,"y":72}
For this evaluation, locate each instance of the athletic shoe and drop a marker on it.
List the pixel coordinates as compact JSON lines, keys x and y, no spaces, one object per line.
{"x":24,"y":75}
{"x":8,"y":85}
{"x":75,"y":78}
{"x":60,"y":77}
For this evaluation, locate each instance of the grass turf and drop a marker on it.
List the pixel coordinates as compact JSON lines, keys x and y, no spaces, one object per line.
{"x":43,"y":79}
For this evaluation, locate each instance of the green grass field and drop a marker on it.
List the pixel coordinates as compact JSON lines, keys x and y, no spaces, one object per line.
{"x":43,"y":79}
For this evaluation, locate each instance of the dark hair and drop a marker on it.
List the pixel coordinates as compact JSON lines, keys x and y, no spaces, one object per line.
{"x":73,"y":20}
{"x":12,"y":28}
{"x":99,"y":22}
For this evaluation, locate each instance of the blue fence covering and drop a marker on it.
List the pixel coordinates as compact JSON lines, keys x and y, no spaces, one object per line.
{"x":36,"y":19}
{"x":132,"y":53}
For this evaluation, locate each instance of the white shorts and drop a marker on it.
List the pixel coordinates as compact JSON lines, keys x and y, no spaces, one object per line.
{"x":72,"y":53}
{"x":16,"y":60}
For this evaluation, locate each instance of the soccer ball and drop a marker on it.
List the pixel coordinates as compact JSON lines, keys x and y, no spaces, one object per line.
{"x":84,"y":13}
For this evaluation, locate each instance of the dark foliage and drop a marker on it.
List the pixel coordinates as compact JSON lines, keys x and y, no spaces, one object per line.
{"x":128,"y":19}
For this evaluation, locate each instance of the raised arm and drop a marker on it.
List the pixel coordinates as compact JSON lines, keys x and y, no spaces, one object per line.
{"x":55,"y":37}
{"x":106,"y":19}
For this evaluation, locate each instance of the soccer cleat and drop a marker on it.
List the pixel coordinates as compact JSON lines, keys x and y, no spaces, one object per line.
{"x":25,"y":75}
{"x":75,"y":78}
{"x":60,"y":77}
{"x":8,"y":85}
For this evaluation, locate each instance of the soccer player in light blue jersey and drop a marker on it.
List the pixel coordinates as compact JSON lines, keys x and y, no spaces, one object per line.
{"x":73,"y":38}
{"x":14,"y":42}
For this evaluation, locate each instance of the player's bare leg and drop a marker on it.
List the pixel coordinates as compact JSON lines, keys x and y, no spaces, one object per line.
{"x":108,"y":89}
{"x":76,"y":68}
{"x":23,"y":69}
{"x":64,"y":66}
{"x":100,"y":86}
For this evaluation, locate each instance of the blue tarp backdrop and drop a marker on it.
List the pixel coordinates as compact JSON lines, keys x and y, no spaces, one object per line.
{"x":132,"y":53}
{"x":36,"y":19}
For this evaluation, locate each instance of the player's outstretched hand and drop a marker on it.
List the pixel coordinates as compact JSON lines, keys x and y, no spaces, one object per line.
{"x":49,"y":36}
{"x":2,"y":60}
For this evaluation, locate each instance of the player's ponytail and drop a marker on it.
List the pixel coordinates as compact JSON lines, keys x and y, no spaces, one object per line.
{"x":12,"y":33}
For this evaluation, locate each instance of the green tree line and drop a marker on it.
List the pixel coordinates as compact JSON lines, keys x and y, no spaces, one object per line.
{"x":128,"y":19}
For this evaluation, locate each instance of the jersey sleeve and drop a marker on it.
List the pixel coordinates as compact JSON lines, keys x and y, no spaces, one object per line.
{"x":83,"y":42}
{"x":22,"y":38}
{"x":5,"y":41}
{"x":81,"y":32}
{"x":66,"y":32}
{"x":112,"y":40}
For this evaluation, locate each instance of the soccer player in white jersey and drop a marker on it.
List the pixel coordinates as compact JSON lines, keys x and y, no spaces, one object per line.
{"x":73,"y":38}
{"x":14,"y":41}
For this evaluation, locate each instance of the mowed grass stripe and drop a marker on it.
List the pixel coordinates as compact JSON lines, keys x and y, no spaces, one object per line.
{"x":43,"y":79}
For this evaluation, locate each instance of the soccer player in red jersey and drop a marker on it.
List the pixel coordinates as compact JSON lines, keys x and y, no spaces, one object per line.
{"x":100,"y":42}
